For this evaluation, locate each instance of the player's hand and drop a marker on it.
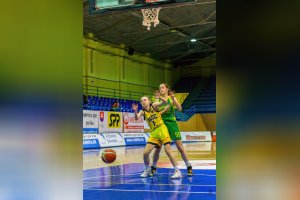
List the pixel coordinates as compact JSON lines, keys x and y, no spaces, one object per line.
{"x":135,"y":107}
{"x":165,"y":110}
{"x":172,"y":94}
{"x":157,"y":94}
{"x":167,"y":107}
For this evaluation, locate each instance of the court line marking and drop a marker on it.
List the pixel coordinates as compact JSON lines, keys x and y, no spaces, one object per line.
{"x":141,"y":172}
{"x":189,"y":176}
{"x":181,"y":165}
{"x":112,"y":165}
{"x":152,"y":191}
{"x":151,"y":184}
{"x":110,"y":175}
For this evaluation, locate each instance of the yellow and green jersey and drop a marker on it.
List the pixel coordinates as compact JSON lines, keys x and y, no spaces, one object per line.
{"x":170,"y":114}
{"x":153,"y":118}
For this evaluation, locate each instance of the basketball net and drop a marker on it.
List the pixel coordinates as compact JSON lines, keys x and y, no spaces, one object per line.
{"x":150,"y":15}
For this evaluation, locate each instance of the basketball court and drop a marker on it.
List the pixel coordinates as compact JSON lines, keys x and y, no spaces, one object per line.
{"x":130,"y":46}
{"x":121,"y":180}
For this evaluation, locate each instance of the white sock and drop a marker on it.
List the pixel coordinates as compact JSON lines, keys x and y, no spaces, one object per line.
{"x":176,"y":168}
{"x":147,"y":167}
{"x":187,"y":163}
{"x":154,"y":164}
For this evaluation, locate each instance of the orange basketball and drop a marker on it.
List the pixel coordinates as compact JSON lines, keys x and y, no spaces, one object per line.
{"x":108,"y":155}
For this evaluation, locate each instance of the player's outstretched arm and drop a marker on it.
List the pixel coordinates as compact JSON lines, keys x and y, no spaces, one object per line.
{"x":175,"y":102}
{"x":162,"y":100}
{"x":165,"y":110}
{"x":136,"y":114}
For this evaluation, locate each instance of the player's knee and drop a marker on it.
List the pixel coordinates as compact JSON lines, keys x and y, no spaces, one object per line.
{"x":146,"y":153}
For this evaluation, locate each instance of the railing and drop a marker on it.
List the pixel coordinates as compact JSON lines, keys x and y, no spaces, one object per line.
{"x":133,"y":95}
{"x":119,"y":82}
{"x":187,"y":114}
{"x":113,"y":93}
{"x":115,"y":89}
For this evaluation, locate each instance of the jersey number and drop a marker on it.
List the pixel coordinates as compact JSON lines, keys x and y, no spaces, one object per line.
{"x":153,"y":123}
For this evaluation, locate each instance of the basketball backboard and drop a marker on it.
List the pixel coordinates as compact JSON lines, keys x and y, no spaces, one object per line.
{"x":104,"y":6}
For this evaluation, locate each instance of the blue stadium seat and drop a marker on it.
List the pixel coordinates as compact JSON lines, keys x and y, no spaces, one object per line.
{"x":105,"y":103}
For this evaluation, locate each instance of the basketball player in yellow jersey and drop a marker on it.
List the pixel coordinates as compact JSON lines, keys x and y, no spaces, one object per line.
{"x":159,"y":134}
{"x":168,"y":115}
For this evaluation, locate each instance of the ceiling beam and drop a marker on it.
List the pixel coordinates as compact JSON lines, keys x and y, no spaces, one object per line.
{"x":181,"y":34}
{"x":183,"y":55}
{"x":161,"y":44}
{"x":187,"y":53}
{"x":189,"y":37}
{"x":111,"y":27}
{"x":176,"y":54}
{"x":158,"y":29}
{"x":147,"y":38}
{"x":206,"y":20}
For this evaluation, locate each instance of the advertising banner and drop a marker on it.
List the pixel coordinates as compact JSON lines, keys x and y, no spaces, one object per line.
{"x":111,"y":139}
{"x":110,"y":122}
{"x":90,"y":121}
{"x":204,"y":136}
{"x":132,"y":125}
{"x":90,"y":141}
{"x":134,"y":139}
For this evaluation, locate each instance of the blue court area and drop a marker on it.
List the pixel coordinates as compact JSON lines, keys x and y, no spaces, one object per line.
{"x":123,"y":182}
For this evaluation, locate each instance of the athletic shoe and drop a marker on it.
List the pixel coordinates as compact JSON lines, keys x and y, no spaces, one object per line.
{"x":177,"y":174}
{"x":153,"y":170}
{"x":146,"y":173}
{"x":189,"y":170}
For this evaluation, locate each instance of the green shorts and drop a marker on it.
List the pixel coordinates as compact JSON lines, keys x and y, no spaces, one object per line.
{"x":173,"y":130}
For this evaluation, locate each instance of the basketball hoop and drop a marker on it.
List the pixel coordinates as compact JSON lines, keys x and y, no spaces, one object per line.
{"x":150,"y":15}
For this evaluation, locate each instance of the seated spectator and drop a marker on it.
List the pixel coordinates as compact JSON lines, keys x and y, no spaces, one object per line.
{"x":114,"y":106}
